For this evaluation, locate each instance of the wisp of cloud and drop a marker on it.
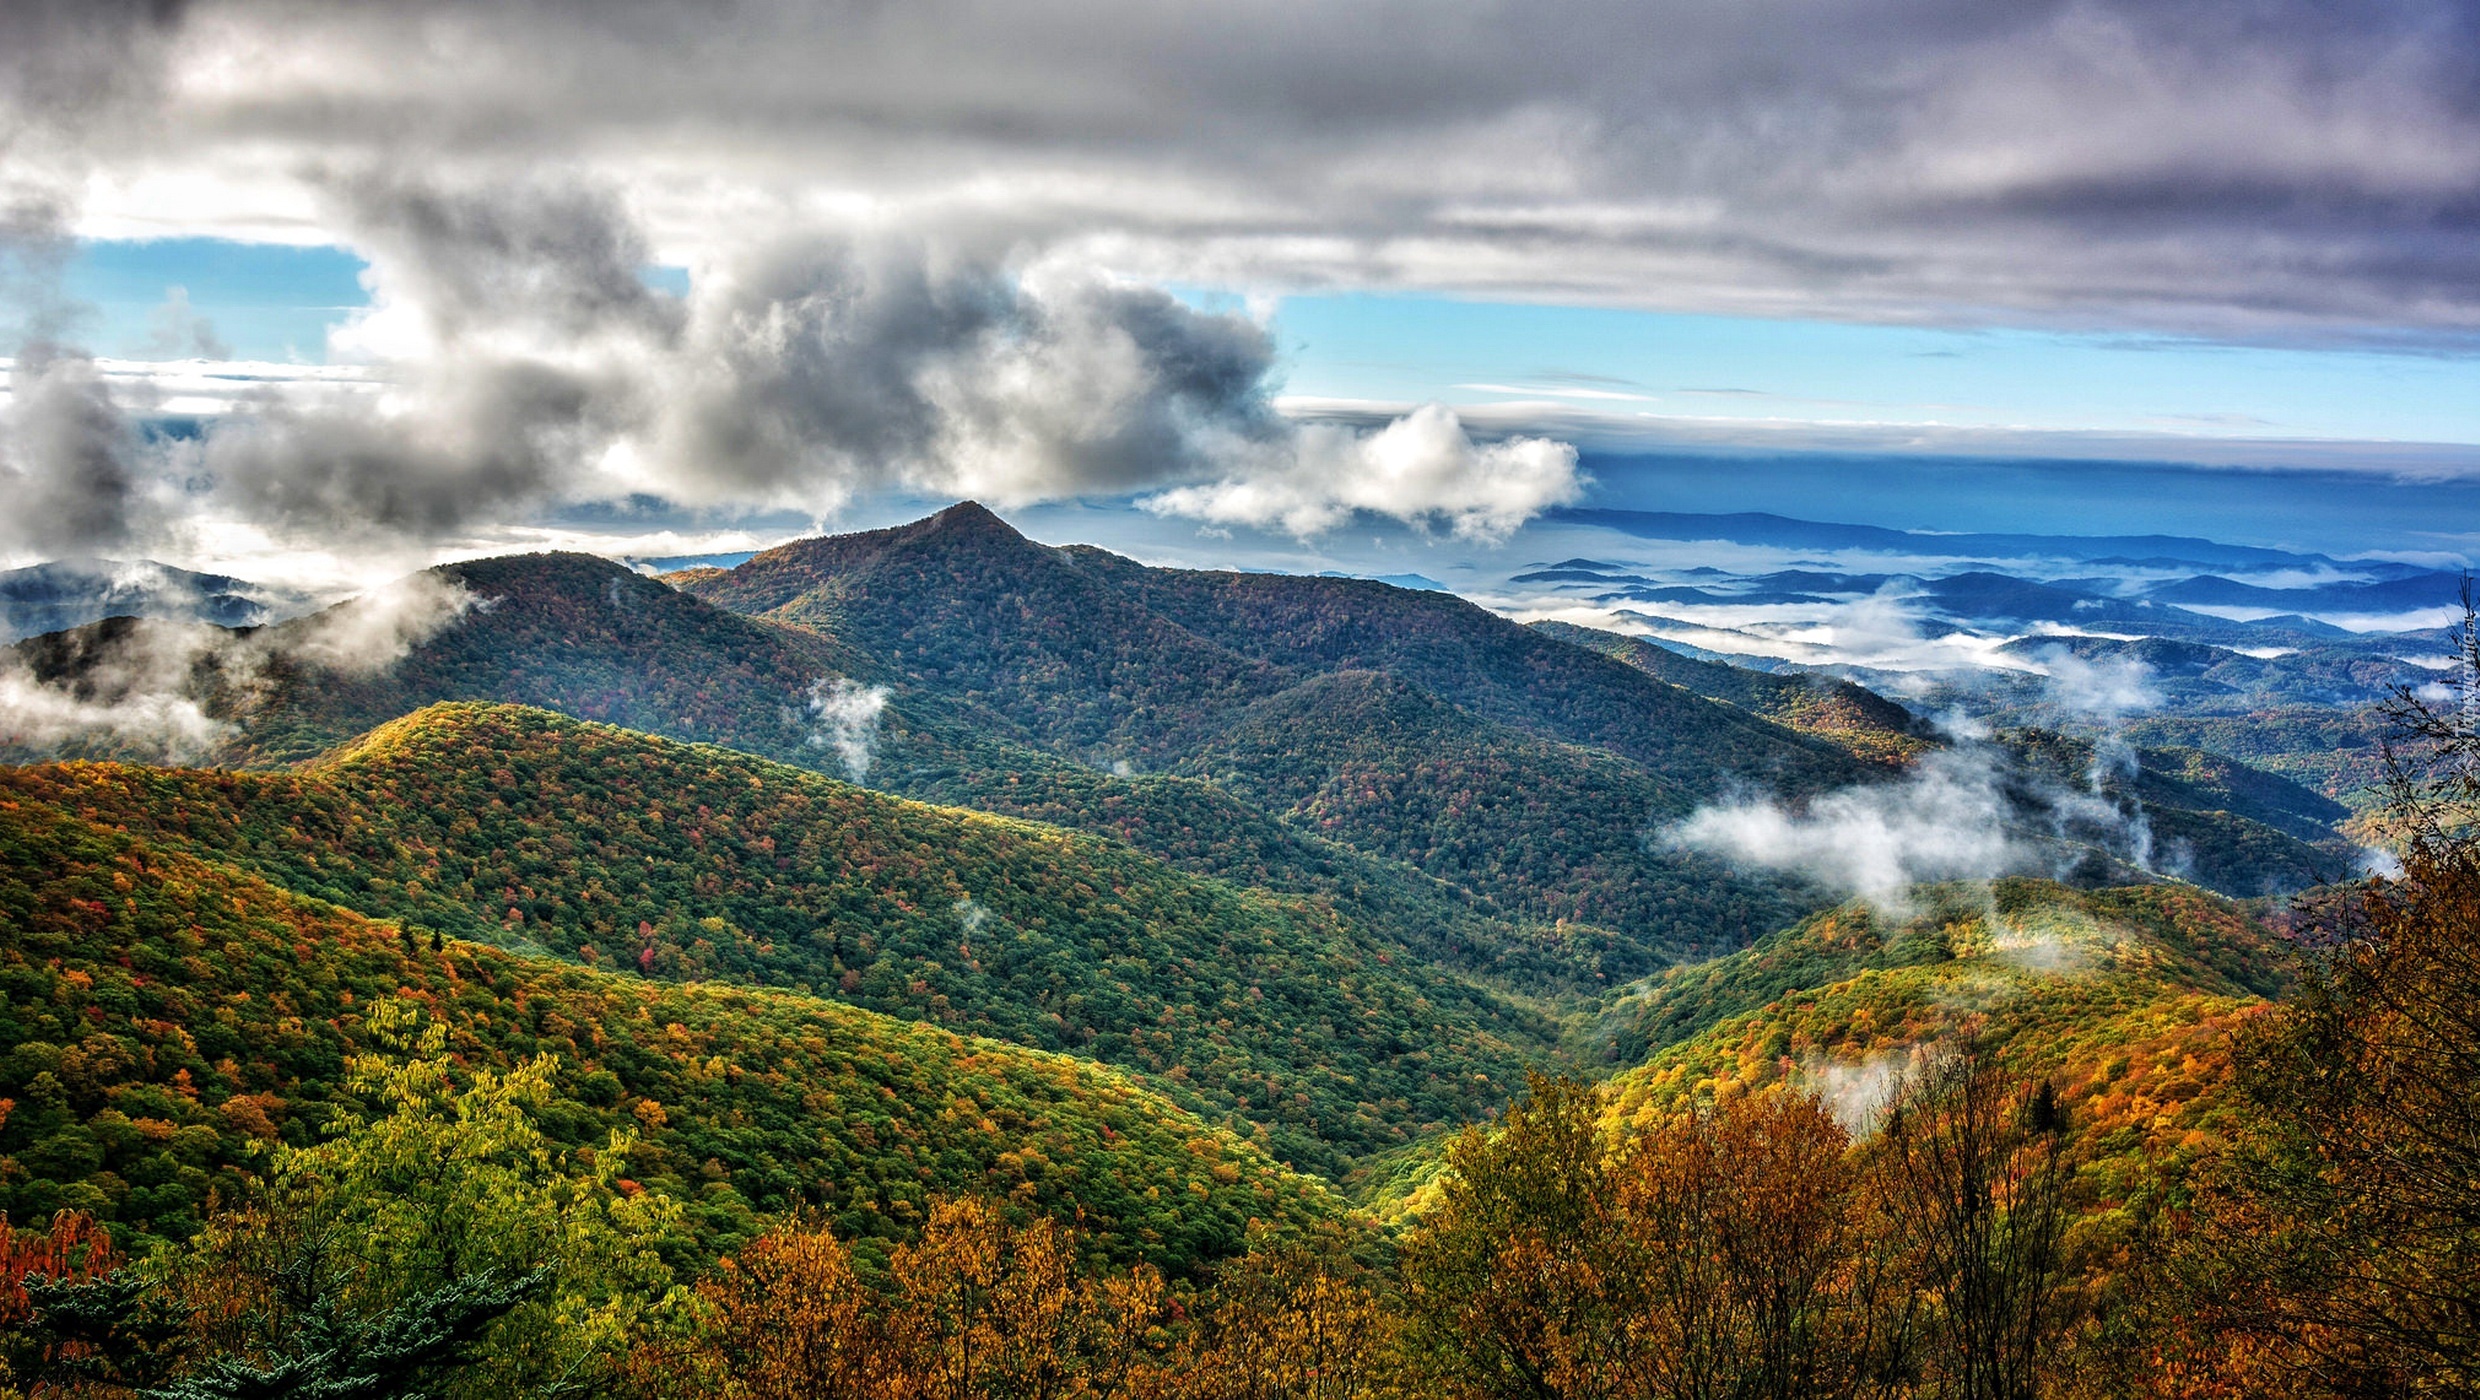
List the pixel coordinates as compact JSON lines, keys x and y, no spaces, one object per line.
{"x":145,"y":685}
{"x":1947,"y":819}
{"x":847,"y":713}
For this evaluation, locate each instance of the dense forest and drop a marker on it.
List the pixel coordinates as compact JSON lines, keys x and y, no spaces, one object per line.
{"x":1168,"y":983}
{"x":517,"y":826}
{"x":1990,"y":1226}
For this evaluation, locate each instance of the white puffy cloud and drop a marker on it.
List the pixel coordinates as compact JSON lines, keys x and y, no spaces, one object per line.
{"x":516,"y":359}
{"x":133,"y":686}
{"x":1422,"y":469}
{"x":820,"y":365}
{"x":2105,"y":689}
{"x":1947,"y":819}
{"x":366,"y":635}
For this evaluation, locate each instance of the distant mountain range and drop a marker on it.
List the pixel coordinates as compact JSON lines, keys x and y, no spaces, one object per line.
{"x":2272,"y":656}
{"x":2263,"y":645}
{"x":2134,"y":551}
{"x":71,"y":592}
{"x":1261,"y":726}
{"x":2199,"y":607}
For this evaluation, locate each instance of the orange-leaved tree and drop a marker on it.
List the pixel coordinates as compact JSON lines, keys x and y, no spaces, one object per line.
{"x":1288,"y":1321}
{"x":2343,"y":1243}
{"x":1733,"y":1249}
{"x":977,"y":1306}
{"x":1758,"y":1268}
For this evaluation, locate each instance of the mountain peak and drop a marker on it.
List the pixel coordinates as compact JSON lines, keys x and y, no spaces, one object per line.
{"x":971,"y":519}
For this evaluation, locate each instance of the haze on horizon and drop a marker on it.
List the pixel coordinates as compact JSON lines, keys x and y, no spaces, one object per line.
{"x":325,"y":291}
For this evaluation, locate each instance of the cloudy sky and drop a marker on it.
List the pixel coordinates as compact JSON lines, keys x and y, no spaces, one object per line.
{"x":322,"y":288}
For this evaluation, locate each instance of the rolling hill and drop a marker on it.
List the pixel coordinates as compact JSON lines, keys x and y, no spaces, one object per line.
{"x":1990,"y":956}
{"x":541,"y":833}
{"x":2125,"y":1000}
{"x":569,"y":632}
{"x":163,"y":1011}
{"x":1078,"y":688}
{"x":1196,"y":911}
{"x":1038,"y":682}
{"x":585,"y":637}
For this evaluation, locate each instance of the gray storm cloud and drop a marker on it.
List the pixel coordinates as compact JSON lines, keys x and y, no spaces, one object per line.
{"x":74,"y":74}
{"x":523,"y":360}
{"x":512,"y":325}
{"x":2190,"y":165}
{"x":820,"y":364}
{"x":920,"y":232}
{"x":69,"y":458}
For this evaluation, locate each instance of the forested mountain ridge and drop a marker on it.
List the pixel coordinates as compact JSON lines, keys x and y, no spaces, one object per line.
{"x":2236,"y":829}
{"x":567,"y":631}
{"x":1079,"y":688}
{"x":1398,"y":788}
{"x":162,"y":1011}
{"x":2207,"y":819}
{"x":1868,"y":724}
{"x":1054,"y":640}
{"x":1004,"y":663}
{"x":580,"y":635}
{"x":1555,"y":831}
{"x":1087,"y":649}
{"x":962,"y":605}
{"x":520,"y":827}
{"x":586,"y":637}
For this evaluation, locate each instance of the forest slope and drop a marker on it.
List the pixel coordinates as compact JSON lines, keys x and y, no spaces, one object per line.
{"x":1557,"y":831}
{"x":680,"y":861}
{"x":2125,"y":1000}
{"x":159,"y":1013}
{"x":588,"y":638}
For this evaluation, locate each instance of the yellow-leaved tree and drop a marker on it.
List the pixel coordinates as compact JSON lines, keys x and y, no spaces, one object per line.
{"x":436,"y":1242}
